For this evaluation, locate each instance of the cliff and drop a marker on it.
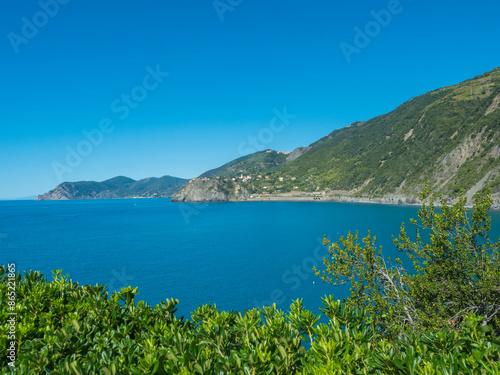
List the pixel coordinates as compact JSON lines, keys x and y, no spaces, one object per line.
{"x":211,"y":190}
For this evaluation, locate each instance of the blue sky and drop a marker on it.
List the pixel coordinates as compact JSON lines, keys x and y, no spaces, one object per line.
{"x":237,"y":72}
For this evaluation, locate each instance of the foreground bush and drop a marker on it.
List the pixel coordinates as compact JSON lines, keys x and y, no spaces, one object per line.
{"x":65,"y":328}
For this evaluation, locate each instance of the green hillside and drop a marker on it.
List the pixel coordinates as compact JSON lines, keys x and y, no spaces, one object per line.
{"x":256,"y":163}
{"x":117,"y":187}
{"x":448,"y":137}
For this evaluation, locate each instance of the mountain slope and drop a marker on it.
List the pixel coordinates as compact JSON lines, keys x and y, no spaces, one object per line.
{"x":448,"y":138}
{"x":258,"y":162}
{"x":224,"y":183}
{"x":115,"y":188}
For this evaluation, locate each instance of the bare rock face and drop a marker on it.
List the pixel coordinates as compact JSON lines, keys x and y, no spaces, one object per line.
{"x":241,"y":194}
{"x":296,"y":153}
{"x":57,"y":194}
{"x":211,"y":190}
{"x":203,"y":190}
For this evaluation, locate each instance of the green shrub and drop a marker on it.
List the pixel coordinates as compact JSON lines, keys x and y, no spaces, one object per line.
{"x":457,"y":270}
{"x":65,"y":328}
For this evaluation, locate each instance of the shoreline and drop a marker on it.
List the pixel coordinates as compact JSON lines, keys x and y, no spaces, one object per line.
{"x":332,"y":199}
{"x":329,"y":200}
{"x":387,"y":201}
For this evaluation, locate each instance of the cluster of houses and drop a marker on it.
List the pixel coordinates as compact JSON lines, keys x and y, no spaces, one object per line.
{"x":279,"y":152}
{"x":199,"y":179}
{"x":241,"y":177}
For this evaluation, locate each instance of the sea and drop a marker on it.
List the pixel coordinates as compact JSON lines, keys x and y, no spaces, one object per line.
{"x":235,"y":255}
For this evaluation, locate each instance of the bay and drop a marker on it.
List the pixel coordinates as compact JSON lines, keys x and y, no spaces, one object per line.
{"x":235,"y":255}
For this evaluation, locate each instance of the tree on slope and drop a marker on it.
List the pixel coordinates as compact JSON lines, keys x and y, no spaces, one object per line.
{"x":456,"y":269}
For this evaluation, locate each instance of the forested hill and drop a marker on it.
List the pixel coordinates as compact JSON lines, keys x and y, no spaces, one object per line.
{"x":448,"y":138}
{"x":118,"y":187}
{"x":256,"y":163}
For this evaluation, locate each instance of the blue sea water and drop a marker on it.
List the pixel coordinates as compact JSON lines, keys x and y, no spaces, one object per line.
{"x":236,"y":255}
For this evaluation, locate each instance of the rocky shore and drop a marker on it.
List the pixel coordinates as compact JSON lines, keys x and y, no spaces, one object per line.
{"x":214,"y":190}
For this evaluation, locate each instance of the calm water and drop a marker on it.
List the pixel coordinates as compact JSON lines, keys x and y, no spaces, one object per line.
{"x":236,"y":255}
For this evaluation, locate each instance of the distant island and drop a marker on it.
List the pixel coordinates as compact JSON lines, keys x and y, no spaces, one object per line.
{"x":116,"y":188}
{"x":448,"y":138}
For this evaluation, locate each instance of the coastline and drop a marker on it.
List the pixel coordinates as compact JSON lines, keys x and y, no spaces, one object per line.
{"x":395,"y":200}
{"x":344,"y":199}
{"x":215,"y":190}
{"x":337,"y":199}
{"x":389,"y":201}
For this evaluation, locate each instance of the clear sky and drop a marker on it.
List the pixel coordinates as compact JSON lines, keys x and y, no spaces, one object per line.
{"x":243,"y":75}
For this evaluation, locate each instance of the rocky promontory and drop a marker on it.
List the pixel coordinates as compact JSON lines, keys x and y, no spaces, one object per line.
{"x":211,"y":190}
